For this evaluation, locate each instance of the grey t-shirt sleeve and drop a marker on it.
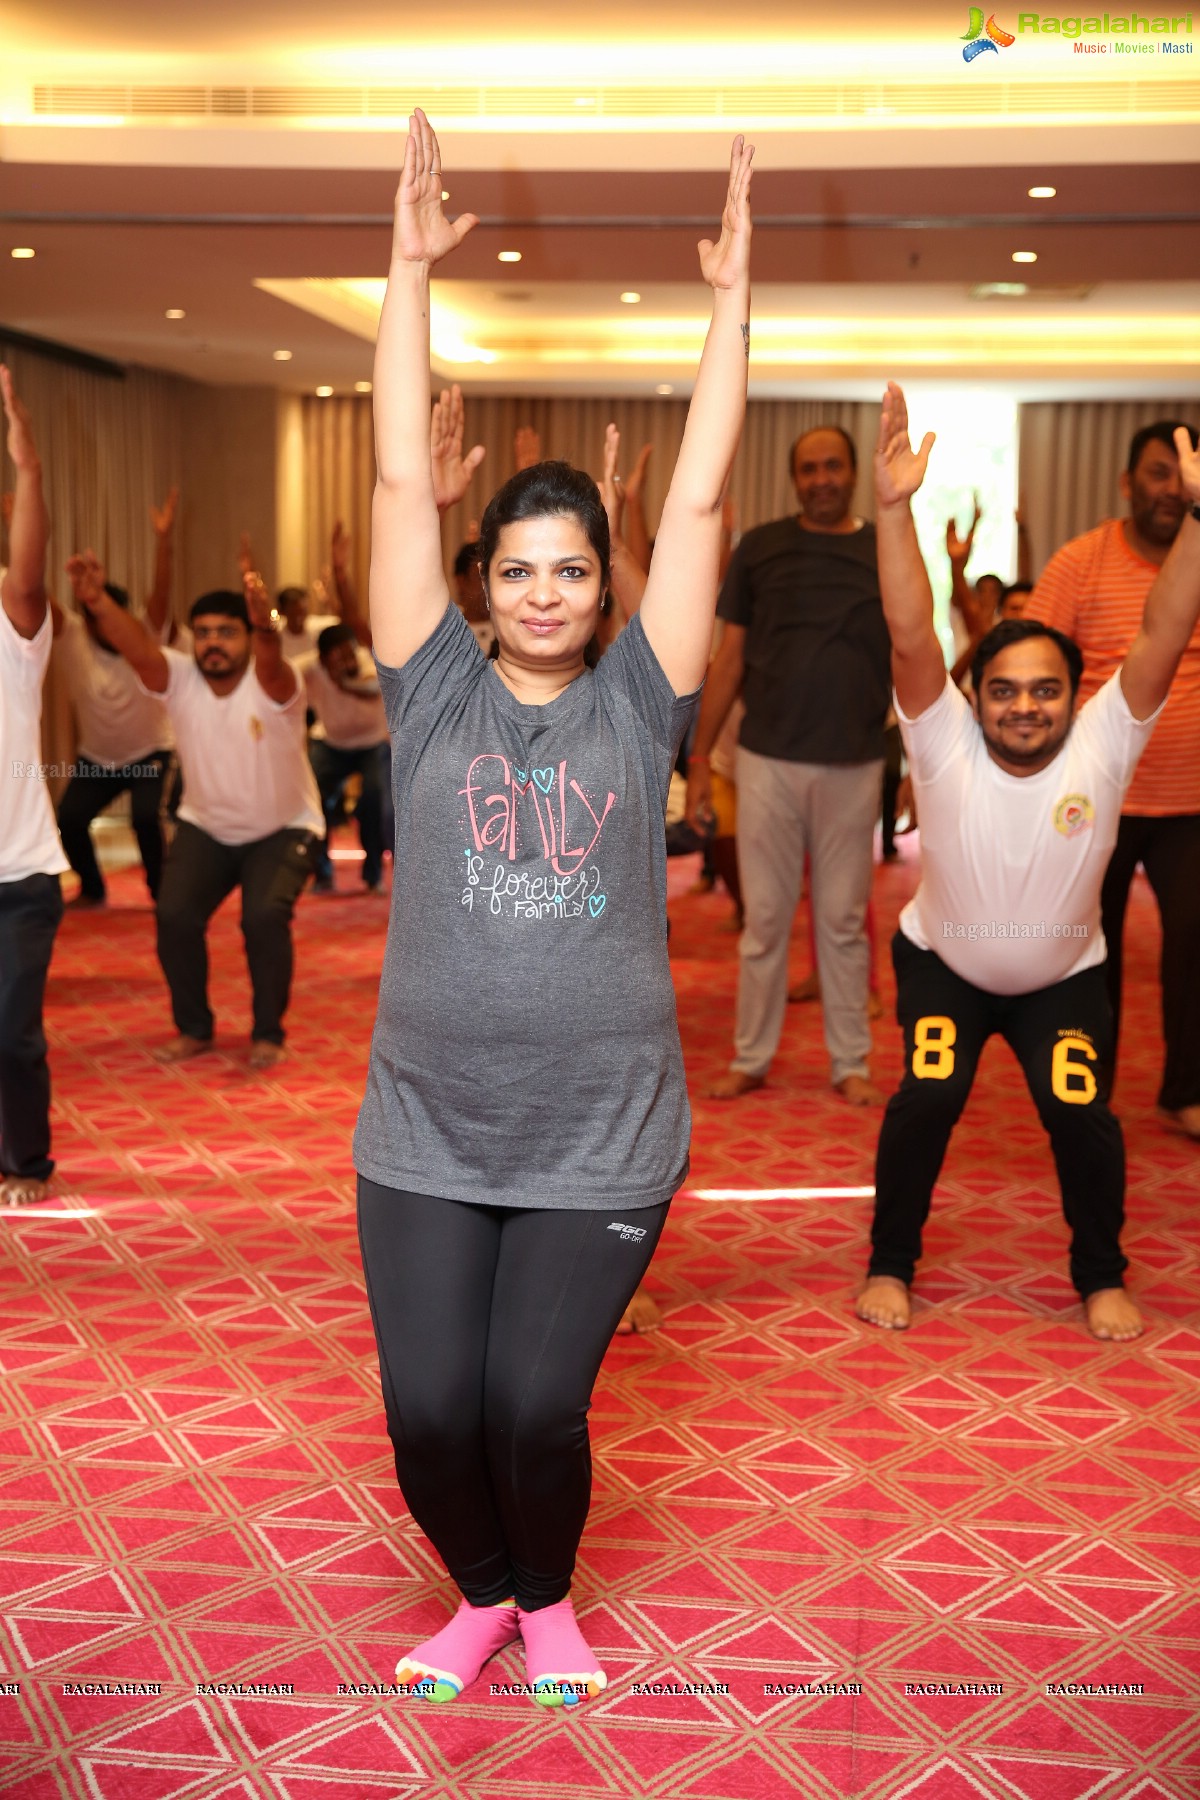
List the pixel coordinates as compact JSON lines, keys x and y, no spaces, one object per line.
{"x":631,"y":669}
{"x":433,"y":678}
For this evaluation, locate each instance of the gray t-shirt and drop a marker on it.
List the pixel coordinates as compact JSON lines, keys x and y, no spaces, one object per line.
{"x":526,"y":1049}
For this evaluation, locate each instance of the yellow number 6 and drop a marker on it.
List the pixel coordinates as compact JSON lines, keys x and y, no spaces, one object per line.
{"x":933,"y":1057}
{"x":1072,"y":1081}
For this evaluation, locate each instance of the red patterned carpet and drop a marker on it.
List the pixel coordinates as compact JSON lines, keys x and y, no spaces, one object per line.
{"x":197,"y":1488}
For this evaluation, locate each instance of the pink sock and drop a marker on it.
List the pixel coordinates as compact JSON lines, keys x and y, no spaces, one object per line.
{"x":562,"y":1670}
{"x":441,"y":1667}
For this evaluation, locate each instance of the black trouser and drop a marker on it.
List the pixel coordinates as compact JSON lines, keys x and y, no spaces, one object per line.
{"x":1169,"y":851}
{"x":893,"y":753}
{"x":199,"y":873}
{"x":1061,"y":1036}
{"x":89,"y":791}
{"x":491,"y":1325}
{"x":333,"y":768}
{"x":30,"y":911}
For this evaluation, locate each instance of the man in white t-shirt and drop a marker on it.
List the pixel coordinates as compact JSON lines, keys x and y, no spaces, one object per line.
{"x":124,"y":739}
{"x":250,"y":805}
{"x":31,"y":857}
{"x":350,"y":737}
{"x":1019,"y":800}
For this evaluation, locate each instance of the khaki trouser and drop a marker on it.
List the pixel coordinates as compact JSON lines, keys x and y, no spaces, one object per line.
{"x":785,"y":811}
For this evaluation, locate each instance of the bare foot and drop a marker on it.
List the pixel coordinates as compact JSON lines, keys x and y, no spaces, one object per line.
{"x":808,"y":989}
{"x":1111,"y":1314}
{"x":22,"y":1190}
{"x":642,"y":1314}
{"x":884,"y":1301}
{"x":856,"y":1090}
{"x":733,"y":1085}
{"x":874,"y":1005}
{"x":182,"y":1049}
{"x":264,"y":1054}
{"x":1185,"y":1119}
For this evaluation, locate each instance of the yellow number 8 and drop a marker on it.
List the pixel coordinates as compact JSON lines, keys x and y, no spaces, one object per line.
{"x":1072,"y":1081}
{"x":933,"y":1057}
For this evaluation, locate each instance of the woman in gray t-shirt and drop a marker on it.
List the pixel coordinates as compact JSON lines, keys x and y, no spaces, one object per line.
{"x":525,"y":1122}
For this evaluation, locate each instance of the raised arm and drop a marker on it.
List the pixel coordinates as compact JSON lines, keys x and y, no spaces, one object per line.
{"x":274,"y":673}
{"x":158,"y":600}
{"x":627,"y":581}
{"x":958,"y":550}
{"x":1173,"y":603}
{"x":681,"y":590}
{"x":408,"y":591}
{"x":23,"y":595}
{"x":918,"y":669}
{"x":127,"y":635}
{"x":452,"y":471}
{"x":347,"y":594}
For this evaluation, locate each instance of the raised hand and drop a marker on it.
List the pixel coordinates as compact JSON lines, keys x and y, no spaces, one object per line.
{"x":163,"y":517}
{"x":1189,"y":464}
{"x":637,"y":478}
{"x":339,"y":549}
{"x":611,"y":492}
{"x":246,"y":561}
{"x":258,"y":601}
{"x":726,"y":264}
{"x":21,"y":447}
{"x":899,"y":469}
{"x":452,"y":471}
{"x":527,"y":447}
{"x":958,"y":549}
{"x":421,"y":232}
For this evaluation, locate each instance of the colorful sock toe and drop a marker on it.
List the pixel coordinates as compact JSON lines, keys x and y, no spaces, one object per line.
{"x":441,"y":1667}
{"x":562,"y":1670}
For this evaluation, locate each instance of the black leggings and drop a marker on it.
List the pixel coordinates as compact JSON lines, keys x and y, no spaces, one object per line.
{"x":491,"y":1324}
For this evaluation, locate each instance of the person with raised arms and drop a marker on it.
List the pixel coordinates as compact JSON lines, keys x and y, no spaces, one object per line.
{"x":1019,"y":796}
{"x":525,"y":1123}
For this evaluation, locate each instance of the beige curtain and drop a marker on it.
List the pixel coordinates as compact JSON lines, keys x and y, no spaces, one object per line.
{"x":1071,"y":457}
{"x":340,"y":460}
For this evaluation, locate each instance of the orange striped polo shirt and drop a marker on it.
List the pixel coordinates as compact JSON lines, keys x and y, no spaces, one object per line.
{"x":1095,"y":590}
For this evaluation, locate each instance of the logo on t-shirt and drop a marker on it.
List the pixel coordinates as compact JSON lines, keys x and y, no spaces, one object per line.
{"x":1073,"y":814}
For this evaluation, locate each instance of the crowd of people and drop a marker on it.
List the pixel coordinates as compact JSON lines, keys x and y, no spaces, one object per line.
{"x":513,"y":730}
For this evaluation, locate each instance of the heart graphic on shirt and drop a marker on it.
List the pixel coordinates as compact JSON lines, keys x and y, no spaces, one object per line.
{"x":596,"y":904}
{"x":521,"y":776}
{"x":544,"y":779}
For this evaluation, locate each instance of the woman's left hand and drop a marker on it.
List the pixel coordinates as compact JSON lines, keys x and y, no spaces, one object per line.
{"x":726,"y":264}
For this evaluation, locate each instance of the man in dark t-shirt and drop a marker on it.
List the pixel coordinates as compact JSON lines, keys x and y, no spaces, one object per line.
{"x":806,"y":645}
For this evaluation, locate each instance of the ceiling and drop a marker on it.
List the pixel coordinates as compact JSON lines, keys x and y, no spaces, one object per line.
{"x":237,"y":164}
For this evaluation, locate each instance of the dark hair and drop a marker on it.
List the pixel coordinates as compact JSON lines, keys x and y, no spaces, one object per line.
{"x":1161,"y":432}
{"x":998,"y":579}
{"x":465,"y":557}
{"x":547,"y":490}
{"x":225,"y":603}
{"x":1016,"y":587}
{"x":841,"y":432}
{"x":333,"y":635}
{"x":1013,"y":631}
{"x":285,"y":596}
{"x":117,"y":594}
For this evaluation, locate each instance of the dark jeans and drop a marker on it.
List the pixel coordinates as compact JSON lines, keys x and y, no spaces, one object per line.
{"x":1169,"y":851}
{"x":1061,"y":1036}
{"x":30,"y":911}
{"x":89,"y":791}
{"x":333,"y":768}
{"x":199,"y":873}
{"x":491,"y":1324}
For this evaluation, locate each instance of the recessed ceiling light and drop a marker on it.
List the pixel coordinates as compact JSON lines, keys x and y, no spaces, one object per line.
{"x":664,"y":387}
{"x":1024,"y":256}
{"x":323,"y":393}
{"x":1042,"y":193}
{"x":282,"y":355}
{"x":630,"y":298}
{"x":362,"y":387}
{"x":176,"y":312}
{"x":509,"y":256}
{"x":445,"y":193}
{"x":23,"y":254}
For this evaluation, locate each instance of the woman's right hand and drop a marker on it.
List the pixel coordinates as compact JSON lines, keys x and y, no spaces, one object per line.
{"x":421,"y":232}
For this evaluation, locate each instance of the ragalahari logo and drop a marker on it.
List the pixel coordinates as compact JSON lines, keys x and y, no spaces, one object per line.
{"x":981,"y":37}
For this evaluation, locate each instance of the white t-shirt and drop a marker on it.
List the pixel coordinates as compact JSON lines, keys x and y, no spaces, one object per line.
{"x":29,"y":843}
{"x":346,"y":721}
{"x":299,"y":644}
{"x":245,"y":763}
{"x":118,"y":722}
{"x":1011,"y":865}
